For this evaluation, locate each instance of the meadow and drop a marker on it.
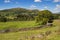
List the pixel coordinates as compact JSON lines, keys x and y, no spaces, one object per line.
{"x":28,"y":35}
{"x":17,"y":24}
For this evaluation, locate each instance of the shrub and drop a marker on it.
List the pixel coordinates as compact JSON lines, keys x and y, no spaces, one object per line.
{"x":3,"y":19}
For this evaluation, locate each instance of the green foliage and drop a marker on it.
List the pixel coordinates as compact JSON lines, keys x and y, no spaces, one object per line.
{"x":3,"y":19}
{"x":56,"y":16}
{"x":19,"y":14}
{"x":43,"y":17}
{"x":24,"y":17}
{"x":44,"y":21}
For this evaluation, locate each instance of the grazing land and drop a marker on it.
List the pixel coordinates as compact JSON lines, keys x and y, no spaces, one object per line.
{"x":34,"y":34}
{"x":17,"y":24}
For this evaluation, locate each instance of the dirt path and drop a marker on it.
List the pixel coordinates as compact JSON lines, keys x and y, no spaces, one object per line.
{"x":31,"y":28}
{"x":22,"y":29}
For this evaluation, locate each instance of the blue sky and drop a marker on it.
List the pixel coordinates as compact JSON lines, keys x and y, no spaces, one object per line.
{"x":52,"y":5}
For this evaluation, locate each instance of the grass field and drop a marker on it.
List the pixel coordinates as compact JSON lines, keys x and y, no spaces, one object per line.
{"x":18,"y":24}
{"x":22,"y":35}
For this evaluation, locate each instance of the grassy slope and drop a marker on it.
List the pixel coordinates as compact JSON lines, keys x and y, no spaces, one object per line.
{"x":22,"y":35}
{"x":18,"y":24}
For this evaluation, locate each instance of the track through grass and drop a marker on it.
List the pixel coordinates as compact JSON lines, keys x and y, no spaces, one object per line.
{"x":22,"y":35}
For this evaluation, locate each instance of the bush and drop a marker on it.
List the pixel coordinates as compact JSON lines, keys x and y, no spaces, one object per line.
{"x":43,"y":17}
{"x":3,"y":19}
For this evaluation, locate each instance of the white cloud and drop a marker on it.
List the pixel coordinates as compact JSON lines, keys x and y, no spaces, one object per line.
{"x":33,"y":7}
{"x":57,"y":8}
{"x":6,"y":1}
{"x":45,"y":7}
{"x":37,"y":1}
{"x":56,"y":0}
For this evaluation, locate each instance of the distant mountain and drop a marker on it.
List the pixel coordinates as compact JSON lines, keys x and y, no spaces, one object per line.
{"x":14,"y":11}
{"x":57,"y":13}
{"x":19,"y":10}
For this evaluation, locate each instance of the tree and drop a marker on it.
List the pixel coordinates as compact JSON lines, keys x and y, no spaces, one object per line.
{"x":3,"y":19}
{"x":43,"y":17}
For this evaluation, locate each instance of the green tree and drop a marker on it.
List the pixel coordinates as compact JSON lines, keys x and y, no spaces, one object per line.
{"x":43,"y":17}
{"x":3,"y":19}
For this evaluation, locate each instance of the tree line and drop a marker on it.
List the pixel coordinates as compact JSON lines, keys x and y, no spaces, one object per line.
{"x":20,"y":14}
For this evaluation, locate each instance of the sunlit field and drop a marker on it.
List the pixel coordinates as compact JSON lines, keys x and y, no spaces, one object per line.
{"x":18,"y":24}
{"x":28,"y":35}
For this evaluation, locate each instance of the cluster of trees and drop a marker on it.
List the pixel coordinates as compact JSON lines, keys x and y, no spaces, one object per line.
{"x":24,"y":17}
{"x":44,"y":16}
{"x":3,"y":19}
{"x":20,"y":17}
{"x":20,"y":14}
{"x":56,"y":16}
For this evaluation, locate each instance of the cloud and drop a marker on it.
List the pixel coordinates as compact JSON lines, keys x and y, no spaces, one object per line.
{"x":56,"y":0}
{"x":45,"y":7}
{"x":37,"y":1}
{"x":7,"y":1}
{"x":57,"y":8}
{"x":33,"y":7}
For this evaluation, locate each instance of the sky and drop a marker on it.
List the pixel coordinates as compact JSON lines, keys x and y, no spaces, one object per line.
{"x":52,"y":5}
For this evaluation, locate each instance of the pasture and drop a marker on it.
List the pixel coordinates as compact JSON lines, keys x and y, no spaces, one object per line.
{"x":17,"y":24}
{"x":33,"y":34}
